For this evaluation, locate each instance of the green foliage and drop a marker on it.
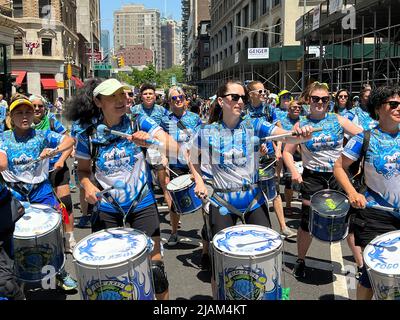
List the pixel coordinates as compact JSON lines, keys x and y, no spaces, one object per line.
{"x":162,"y":79}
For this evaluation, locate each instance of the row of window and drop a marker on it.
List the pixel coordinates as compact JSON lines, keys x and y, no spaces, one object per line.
{"x":45,"y":45}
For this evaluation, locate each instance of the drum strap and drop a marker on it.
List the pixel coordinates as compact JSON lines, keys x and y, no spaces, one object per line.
{"x":245,"y":187}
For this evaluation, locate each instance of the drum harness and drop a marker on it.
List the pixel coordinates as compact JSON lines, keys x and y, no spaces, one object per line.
{"x":94,"y":152}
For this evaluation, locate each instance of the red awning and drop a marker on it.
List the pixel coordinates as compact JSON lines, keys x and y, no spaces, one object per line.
{"x":20,"y":76}
{"x":49,"y":84}
{"x":78,"y":82}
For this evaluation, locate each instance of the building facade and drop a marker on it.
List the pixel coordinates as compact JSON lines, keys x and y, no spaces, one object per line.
{"x":7,"y":27}
{"x":45,"y":41}
{"x":136,"y":56}
{"x":170,"y":34}
{"x":135,"y":25}
{"x":239,"y":25}
{"x":106,"y":45}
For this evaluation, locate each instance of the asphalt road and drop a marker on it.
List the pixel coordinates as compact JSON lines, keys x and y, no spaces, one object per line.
{"x":330,"y":273}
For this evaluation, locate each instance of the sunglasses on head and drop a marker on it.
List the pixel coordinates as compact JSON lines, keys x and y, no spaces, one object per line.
{"x":260,"y":91}
{"x":343,"y":97}
{"x":180,"y":97}
{"x":316,"y":99}
{"x":393,"y":104}
{"x":235,"y":97}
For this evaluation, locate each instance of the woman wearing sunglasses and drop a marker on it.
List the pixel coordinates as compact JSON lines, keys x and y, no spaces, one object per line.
{"x":381,"y":174}
{"x":180,"y":124}
{"x":342,"y":102}
{"x":58,"y":169}
{"x":271,"y":151}
{"x":30,"y":182}
{"x":318,"y":156}
{"x":229,"y":148}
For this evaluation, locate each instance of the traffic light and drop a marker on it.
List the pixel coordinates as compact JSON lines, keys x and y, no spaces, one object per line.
{"x":121,"y":62}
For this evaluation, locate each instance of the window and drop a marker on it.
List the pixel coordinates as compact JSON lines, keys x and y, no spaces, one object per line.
{"x":265,"y":6}
{"x":44,"y":8}
{"x":253,"y":10}
{"x":238,"y":19}
{"x":238,"y":47}
{"x":230,"y":28}
{"x":46,"y":47}
{"x":277,"y":2}
{"x":246,"y":16}
{"x":206,"y":62}
{"x":277,"y":35}
{"x":17,"y":6}
{"x":18,"y":46}
{"x":246,"y":43}
{"x":255,"y":40}
{"x":206,"y":47}
{"x":230,"y":50}
{"x":265,"y":40}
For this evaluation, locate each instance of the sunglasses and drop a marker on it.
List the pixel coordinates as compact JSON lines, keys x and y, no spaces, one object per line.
{"x":130,"y":94}
{"x":38,"y":106}
{"x":180,"y":97}
{"x":296,"y":107}
{"x":316,"y":99}
{"x":286,"y":97}
{"x":343,"y":97}
{"x":393,"y":104}
{"x":235,"y":97}
{"x":260,"y":91}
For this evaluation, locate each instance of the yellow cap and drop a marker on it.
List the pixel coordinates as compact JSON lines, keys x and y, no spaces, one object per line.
{"x":19,"y":102}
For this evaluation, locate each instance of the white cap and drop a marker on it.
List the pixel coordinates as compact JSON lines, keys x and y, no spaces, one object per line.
{"x":108,"y":87}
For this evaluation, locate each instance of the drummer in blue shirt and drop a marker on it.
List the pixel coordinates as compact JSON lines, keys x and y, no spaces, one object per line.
{"x":180,"y":124}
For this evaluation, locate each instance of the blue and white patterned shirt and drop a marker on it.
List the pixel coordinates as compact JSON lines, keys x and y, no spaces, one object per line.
{"x":120,"y":160}
{"x":382,"y":166}
{"x":156,"y":112}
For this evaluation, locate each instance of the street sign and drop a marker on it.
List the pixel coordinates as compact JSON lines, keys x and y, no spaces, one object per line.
{"x":102,"y":67}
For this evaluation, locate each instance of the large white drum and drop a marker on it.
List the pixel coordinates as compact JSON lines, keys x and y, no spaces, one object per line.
{"x":247,"y":263}
{"x":382,"y":259}
{"x":114,"y":264}
{"x":38,"y":243}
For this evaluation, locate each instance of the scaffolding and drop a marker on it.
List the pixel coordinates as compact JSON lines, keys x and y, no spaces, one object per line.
{"x":350,"y":57}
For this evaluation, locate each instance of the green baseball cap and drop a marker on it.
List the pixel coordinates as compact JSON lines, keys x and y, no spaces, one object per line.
{"x":108,"y":87}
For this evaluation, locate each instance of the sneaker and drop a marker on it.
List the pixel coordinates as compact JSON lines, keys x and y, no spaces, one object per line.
{"x":72,"y":187}
{"x":287,"y":233}
{"x":299,"y":270}
{"x":84,"y":222}
{"x":205,"y":262}
{"x":358,"y":273}
{"x":65,"y":282}
{"x":173,"y":239}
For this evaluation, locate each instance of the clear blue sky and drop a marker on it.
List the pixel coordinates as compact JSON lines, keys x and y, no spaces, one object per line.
{"x":107,"y":8}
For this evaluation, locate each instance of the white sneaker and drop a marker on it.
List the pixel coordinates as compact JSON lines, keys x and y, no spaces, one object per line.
{"x":70,"y":242}
{"x":288,"y":233}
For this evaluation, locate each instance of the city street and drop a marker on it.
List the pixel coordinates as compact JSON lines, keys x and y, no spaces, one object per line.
{"x":327,"y":265}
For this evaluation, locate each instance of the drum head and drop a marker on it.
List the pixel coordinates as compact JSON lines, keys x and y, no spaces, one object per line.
{"x":38,"y":220}
{"x":383,"y":253}
{"x":179,"y":183}
{"x":111,"y":246}
{"x":247,"y":240}
{"x":330,"y":203}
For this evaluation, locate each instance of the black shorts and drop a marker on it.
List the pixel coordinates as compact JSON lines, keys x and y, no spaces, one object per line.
{"x":370,"y":223}
{"x":60,"y":177}
{"x":314,"y":182}
{"x":145,"y":220}
{"x":218,"y":222}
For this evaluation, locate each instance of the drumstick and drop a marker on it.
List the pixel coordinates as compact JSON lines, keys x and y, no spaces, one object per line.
{"x":52,"y":154}
{"x":169,"y":169}
{"x":117,"y":185}
{"x":383,"y":208}
{"x":284,"y":135}
{"x":101,"y":129}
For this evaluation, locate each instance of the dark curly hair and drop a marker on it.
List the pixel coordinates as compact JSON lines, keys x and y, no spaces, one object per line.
{"x":81,"y":107}
{"x":379,"y":96}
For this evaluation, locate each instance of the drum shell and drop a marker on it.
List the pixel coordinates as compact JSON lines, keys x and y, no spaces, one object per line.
{"x":128,"y":280}
{"x":386,"y":286}
{"x":270,"y":264}
{"x":328,"y":227}
{"x":185,"y":199}
{"x":267,"y":183}
{"x":46,"y":249}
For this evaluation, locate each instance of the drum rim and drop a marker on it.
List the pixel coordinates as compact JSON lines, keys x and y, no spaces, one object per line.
{"x":192,"y":211}
{"x":182,"y":188}
{"x":59,"y":222}
{"x":370,"y":267}
{"x":329,"y":215}
{"x":273,"y":252}
{"x":109,"y":265}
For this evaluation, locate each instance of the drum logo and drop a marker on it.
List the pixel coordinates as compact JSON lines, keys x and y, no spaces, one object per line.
{"x":185,"y":202}
{"x":110,"y":290}
{"x":31,"y":260}
{"x":245,"y":284}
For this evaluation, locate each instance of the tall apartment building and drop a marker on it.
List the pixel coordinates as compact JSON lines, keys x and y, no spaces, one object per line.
{"x":178,"y":44}
{"x":136,"y":25}
{"x":185,"y":4}
{"x":45,"y":40}
{"x":238,"y":25}
{"x":199,"y":11}
{"x":170,"y":42}
{"x":105,"y":44}
{"x":88,"y":28}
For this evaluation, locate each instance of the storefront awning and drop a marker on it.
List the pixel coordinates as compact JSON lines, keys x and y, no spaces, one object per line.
{"x":20,"y":76}
{"x":78,"y":82}
{"x":49,"y":84}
